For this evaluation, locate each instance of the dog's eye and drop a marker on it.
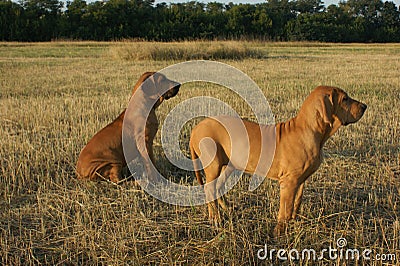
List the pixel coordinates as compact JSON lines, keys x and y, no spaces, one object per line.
{"x":345,"y":98}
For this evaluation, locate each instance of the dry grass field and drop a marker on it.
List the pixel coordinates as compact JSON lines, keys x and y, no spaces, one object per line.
{"x":55,"y":96}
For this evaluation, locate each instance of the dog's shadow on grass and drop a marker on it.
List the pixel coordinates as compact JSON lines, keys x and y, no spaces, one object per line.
{"x":166,"y":169}
{"x":173,"y":172}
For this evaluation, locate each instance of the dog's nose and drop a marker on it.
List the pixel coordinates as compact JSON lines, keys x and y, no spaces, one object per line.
{"x":363,"y":107}
{"x":177,"y":86}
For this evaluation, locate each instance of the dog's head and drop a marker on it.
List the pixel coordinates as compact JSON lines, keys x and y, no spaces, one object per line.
{"x":349,"y":110}
{"x":333,"y":107}
{"x":157,"y":85}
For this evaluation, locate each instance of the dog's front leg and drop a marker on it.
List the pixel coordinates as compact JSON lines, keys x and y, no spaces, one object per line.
{"x":150,"y":170}
{"x":288,"y":190}
{"x":149,"y":147}
{"x":297,"y":200}
{"x":116,"y":173}
{"x":211,"y":197}
{"x":150,"y":133}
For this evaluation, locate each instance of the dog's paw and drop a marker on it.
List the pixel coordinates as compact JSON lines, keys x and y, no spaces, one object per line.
{"x":280,"y":229}
{"x":215,"y":220}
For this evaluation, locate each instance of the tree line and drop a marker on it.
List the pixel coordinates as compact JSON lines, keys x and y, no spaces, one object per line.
{"x":310,"y":20}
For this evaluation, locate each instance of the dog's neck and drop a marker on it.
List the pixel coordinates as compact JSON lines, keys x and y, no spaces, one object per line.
{"x":330,"y":130}
{"x":320,"y":131}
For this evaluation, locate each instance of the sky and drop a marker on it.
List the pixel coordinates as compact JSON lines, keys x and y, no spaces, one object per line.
{"x":326,"y":2}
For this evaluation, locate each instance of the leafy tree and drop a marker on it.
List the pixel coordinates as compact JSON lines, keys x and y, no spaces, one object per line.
{"x":262,"y":23}
{"x":308,"y":6}
{"x":11,"y":15}
{"x":390,"y":23}
{"x":41,"y":18}
{"x":355,"y":20}
{"x":217,"y":20}
{"x":240,"y":19}
{"x":345,"y":30}
{"x":368,"y":19}
{"x":280,"y":12}
{"x":74,"y":15}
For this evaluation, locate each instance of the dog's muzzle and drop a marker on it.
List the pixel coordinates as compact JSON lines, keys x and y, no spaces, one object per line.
{"x":172,"y":92}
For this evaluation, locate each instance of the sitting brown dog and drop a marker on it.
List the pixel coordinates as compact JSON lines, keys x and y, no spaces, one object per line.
{"x":103,"y":158}
{"x":298,"y":151}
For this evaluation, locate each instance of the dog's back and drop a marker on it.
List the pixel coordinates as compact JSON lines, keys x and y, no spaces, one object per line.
{"x":102,"y":151}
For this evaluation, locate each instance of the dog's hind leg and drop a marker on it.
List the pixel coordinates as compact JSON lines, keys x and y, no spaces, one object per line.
{"x":226,"y":171}
{"x":212,"y":172}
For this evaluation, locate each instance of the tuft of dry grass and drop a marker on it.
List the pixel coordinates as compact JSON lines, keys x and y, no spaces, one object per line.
{"x":55,"y":96}
{"x":188,"y":50}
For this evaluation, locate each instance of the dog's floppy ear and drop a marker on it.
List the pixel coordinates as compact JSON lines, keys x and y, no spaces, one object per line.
{"x":325,"y":110}
{"x":142,"y":79}
{"x":152,"y":90}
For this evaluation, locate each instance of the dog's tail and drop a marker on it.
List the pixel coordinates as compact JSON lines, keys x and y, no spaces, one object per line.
{"x":195,"y":164}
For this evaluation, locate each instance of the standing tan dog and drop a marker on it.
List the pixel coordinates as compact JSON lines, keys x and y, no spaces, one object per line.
{"x":298,"y":151}
{"x":103,"y":158}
